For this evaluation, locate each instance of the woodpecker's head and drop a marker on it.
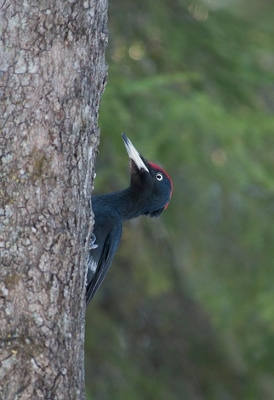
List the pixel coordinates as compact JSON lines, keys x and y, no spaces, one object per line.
{"x":152,"y":185}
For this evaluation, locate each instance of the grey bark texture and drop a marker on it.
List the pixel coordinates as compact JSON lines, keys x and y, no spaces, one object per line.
{"x":52,"y":75}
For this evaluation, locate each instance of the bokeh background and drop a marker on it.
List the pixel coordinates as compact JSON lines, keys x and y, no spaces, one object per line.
{"x":187,"y":309}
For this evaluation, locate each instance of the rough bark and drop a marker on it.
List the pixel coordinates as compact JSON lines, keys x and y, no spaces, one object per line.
{"x":52,"y":71}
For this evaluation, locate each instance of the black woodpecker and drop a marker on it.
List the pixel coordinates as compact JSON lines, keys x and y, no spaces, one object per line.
{"x":149,"y":193}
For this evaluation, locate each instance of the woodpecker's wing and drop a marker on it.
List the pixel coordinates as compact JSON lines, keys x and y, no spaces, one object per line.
{"x":108,"y":233}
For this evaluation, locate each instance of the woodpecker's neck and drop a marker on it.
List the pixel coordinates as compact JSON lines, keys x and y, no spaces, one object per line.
{"x":127,"y":203}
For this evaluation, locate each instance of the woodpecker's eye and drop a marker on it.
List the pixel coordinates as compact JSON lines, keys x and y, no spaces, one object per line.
{"x":159,"y":176}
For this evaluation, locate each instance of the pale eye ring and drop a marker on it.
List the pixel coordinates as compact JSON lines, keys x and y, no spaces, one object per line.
{"x":159,"y":176}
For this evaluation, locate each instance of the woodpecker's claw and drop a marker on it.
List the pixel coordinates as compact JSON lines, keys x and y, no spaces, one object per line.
{"x":93,"y":245}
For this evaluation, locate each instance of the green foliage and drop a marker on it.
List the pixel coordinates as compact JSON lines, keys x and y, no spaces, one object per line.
{"x":186,"y":311}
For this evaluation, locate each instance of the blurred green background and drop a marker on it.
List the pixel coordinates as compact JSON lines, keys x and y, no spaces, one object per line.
{"x":187,"y":309}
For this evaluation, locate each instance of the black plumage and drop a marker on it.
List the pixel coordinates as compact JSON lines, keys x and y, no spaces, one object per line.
{"x":149,"y":193}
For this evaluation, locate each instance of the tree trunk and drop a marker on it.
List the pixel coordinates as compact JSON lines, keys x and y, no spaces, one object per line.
{"x":53,"y":72}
